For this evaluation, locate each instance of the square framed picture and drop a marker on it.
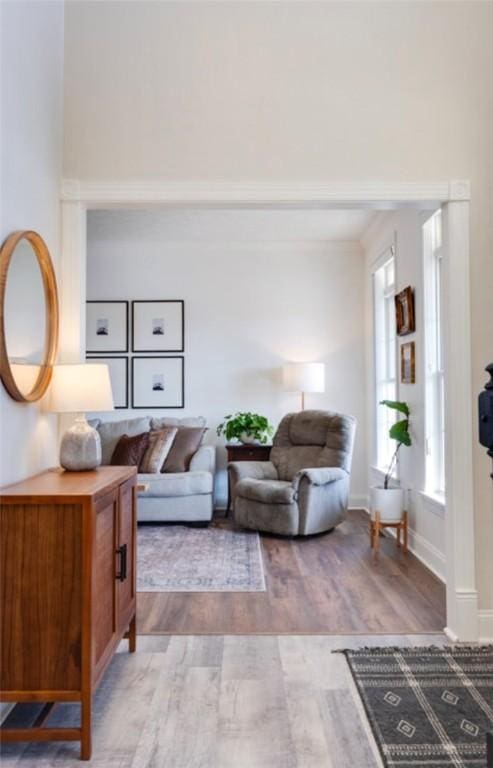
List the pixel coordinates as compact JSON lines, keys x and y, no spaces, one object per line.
{"x":107,"y":326}
{"x":158,"y":326}
{"x":158,"y":382}
{"x":118,"y":367}
{"x":408,"y":363}
{"x":404,"y":312}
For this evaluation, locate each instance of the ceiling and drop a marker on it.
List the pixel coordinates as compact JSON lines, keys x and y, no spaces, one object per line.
{"x":229,"y":225}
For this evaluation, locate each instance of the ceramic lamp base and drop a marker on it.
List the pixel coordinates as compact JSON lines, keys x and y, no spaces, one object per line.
{"x":80,"y":449}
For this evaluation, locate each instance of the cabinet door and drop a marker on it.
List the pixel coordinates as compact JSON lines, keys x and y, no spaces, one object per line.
{"x":104,"y":602}
{"x":40,"y":596}
{"x":126,"y":575}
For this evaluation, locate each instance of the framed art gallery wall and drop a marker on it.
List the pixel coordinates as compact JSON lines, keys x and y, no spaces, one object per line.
{"x":158,"y":326}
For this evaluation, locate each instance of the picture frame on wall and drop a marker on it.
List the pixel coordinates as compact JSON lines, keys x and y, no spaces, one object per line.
{"x":118,"y":368}
{"x":106,"y":326}
{"x":404,"y":312}
{"x":158,"y":326}
{"x":158,"y":381}
{"x":408,"y":363}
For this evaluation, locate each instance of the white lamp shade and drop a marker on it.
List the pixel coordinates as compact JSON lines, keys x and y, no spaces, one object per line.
{"x":79,"y":388}
{"x":304,"y":377}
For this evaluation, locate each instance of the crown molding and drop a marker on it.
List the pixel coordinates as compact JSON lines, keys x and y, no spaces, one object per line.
{"x":370,"y":193}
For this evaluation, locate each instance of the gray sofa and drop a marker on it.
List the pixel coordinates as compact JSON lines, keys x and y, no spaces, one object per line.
{"x":169,"y":497}
{"x":304,"y":488}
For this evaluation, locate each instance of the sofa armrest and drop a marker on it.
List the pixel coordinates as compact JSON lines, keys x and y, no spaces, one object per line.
{"x":204,"y":460}
{"x":319,"y":475}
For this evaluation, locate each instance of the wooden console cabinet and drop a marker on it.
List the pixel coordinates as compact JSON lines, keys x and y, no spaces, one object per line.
{"x":68,"y":590}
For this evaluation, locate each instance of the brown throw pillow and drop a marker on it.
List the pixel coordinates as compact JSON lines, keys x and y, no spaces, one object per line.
{"x":130,"y":450}
{"x":186,"y":443}
{"x":160,"y":442}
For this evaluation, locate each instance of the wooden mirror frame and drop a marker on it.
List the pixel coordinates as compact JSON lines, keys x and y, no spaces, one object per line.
{"x":51,"y":314}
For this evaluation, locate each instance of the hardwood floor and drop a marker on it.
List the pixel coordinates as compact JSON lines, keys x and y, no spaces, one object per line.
{"x":325,"y":584}
{"x":220,"y":702}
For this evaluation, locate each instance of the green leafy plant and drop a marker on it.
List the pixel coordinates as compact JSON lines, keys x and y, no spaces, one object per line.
{"x":399,"y":431}
{"x":245,"y":424}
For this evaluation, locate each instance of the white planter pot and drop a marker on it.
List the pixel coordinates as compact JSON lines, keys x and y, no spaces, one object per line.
{"x":247,"y":439}
{"x":389,"y":502}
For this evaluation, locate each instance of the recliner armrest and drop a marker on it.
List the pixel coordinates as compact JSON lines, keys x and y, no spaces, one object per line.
{"x":319,"y":475}
{"x":204,"y":459}
{"x":258,"y":470}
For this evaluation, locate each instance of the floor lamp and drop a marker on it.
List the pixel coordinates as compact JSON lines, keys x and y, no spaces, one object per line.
{"x":303,"y":378}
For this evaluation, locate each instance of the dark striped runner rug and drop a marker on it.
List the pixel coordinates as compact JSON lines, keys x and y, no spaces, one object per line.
{"x":427,"y":706}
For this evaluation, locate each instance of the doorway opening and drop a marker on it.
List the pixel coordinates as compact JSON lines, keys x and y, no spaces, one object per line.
{"x":460,"y":601}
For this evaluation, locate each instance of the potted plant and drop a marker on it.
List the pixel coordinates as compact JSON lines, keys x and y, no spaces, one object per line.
{"x":246,"y":427}
{"x":389,"y":502}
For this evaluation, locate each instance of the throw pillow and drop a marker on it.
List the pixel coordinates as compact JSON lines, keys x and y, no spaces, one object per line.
{"x":160,"y":442}
{"x":130,"y":450}
{"x":159,"y":422}
{"x":187,"y":441}
{"x":111,"y":431}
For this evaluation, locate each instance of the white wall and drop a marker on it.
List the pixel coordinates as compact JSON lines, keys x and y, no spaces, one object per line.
{"x":248,"y":308}
{"x":32,"y":35}
{"x":295,"y":91}
{"x":426,"y":518}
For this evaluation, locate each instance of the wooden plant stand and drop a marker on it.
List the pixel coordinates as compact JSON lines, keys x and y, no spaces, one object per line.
{"x":378,"y":525}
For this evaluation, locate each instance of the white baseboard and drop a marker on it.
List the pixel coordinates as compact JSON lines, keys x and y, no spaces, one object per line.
{"x":486,"y":626}
{"x":431,"y":557}
{"x":450,"y":634}
{"x":358,"y":501}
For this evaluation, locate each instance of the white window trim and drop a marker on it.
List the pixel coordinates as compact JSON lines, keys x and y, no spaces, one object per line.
{"x":387,"y":251}
{"x":434,"y":355}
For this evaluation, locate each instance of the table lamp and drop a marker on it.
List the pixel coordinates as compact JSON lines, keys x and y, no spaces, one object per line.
{"x":304,"y":377}
{"x":76,"y":389}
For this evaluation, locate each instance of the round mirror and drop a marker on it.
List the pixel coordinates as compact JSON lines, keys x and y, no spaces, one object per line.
{"x":28,"y":316}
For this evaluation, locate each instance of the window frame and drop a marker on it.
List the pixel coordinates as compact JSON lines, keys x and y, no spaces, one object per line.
{"x":434,"y":389}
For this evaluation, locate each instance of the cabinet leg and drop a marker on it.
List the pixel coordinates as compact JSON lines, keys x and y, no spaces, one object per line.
{"x":132,"y":635}
{"x":405,"y":531}
{"x":86,"y":740}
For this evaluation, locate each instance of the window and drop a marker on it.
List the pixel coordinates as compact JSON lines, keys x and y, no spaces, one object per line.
{"x":434,"y":386}
{"x":385,"y":355}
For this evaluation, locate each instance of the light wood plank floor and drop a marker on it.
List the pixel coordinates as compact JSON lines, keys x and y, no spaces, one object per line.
{"x":329,"y":584}
{"x":221,"y":702}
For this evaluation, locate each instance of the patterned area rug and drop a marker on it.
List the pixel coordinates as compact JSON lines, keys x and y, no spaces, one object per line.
{"x":181,"y":559}
{"x":427,"y":706}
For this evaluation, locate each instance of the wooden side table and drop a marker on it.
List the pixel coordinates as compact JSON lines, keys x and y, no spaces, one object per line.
{"x":243,"y":452}
{"x":377,"y":525}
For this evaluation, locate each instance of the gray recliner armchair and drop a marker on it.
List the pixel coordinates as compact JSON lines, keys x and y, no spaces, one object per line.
{"x":304,"y":488}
